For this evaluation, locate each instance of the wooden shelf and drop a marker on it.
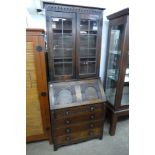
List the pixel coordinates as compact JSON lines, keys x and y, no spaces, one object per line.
{"x":86,"y":47}
{"x":62,"y":58}
{"x":88,"y":34}
{"x":88,"y":57}
{"x":57,"y":63}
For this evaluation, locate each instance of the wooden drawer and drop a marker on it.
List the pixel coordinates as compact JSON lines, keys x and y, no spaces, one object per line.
{"x":61,"y":113}
{"x":78,"y":136}
{"x":78,"y":127}
{"x":77,"y":124}
{"x":84,"y":117}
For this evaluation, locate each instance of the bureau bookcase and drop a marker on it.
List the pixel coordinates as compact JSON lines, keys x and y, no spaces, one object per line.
{"x":75,"y":91}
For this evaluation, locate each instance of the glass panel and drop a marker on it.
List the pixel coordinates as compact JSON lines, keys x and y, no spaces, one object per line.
{"x":84,"y":27}
{"x":92,"y":41}
{"x":62,"y":41}
{"x":60,"y":53}
{"x":125,"y":94}
{"x":62,"y":46}
{"x":93,"y":27}
{"x":83,"y":68}
{"x":67,"y":24}
{"x":56,"y":24}
{"x":58,"y":68}
{"x":84,"y":41}
{"x":92,"y":53}
{"x":85,"y":53}
{"x":113,"y":62}
{"x":68,"y":68}
{"x":60,"y":25}
{"x":91,"y":67}
{"x":87,"y":65}
{"x":63,"y":67}
{"x":83,"y":65}
{"x":88,"y":42}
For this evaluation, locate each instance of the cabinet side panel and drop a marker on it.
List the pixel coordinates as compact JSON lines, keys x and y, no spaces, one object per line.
{"x":33,"y":115}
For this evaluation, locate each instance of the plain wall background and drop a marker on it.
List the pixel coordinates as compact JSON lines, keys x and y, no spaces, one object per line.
{"x":37,"y":20}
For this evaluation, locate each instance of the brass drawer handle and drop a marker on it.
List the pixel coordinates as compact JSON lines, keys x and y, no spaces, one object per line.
{"x":66,"y":112}
{"x":68,"y":130}
{"x":91,"y":133}
{"x":68,"y":138}
{"x":47,"y":128}
{"x":92,"y":117}
{"x":67,"y":121}
{"x":92,"y":108}
{"x":91,"y":125}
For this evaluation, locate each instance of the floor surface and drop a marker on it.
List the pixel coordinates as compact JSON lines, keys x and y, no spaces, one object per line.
{"x":109,"y":145}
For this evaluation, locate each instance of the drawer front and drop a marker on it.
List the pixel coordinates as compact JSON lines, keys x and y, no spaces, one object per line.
{"x":77,"y":128}
{"x":84,"y":117}
{"x":61,"y":113}
{"x":78,"y":136}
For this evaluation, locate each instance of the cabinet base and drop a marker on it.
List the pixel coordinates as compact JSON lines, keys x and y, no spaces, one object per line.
{"x":113,"y":115}
{"x":55,"y":147}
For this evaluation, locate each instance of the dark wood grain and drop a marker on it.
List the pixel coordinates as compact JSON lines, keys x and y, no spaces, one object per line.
{"x":77,"y":128}
{"x":77,"y":110}
{"x":66,"y":139}
{"x":76,"y":14}
{"x":117,"y":110}
{"x":98,"y":18}
{"x":83,"y":118}
{"x":79,"y":93}
{"x":50,"y":37}
{"x":61,"y":6}
{"x":119,"y":14}
{"x":84,"y":123}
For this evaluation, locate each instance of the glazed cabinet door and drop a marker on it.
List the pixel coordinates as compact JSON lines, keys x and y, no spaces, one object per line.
{"x":88,"y":44}
{"x":125,"y":92}
{"x":116,"y":53}
{"x":125,"y":70}
{"x":61,"y":45}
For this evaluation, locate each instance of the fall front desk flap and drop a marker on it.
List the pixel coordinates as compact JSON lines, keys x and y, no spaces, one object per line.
{"x":74,"y":93}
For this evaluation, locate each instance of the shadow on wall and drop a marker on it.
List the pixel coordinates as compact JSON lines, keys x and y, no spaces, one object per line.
{"x":103,"y":49}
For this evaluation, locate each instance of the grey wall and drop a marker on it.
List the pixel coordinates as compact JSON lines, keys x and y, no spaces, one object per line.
{"x":103,"y":49}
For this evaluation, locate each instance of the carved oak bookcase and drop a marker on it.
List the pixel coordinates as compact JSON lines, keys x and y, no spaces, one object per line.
{"x":117,"y":68}
{"x":75,"y":92}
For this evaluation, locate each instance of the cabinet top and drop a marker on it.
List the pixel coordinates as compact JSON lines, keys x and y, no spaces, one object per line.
{"x":70,"y":8}
{"x":35,"y":30}
{"x":119,"y":14}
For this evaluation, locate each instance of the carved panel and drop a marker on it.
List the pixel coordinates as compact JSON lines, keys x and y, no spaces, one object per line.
{"x":63,"y":8}
{"x":64,"y":95}
{"x":90,"y":91}
{"x":74,"y":93}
